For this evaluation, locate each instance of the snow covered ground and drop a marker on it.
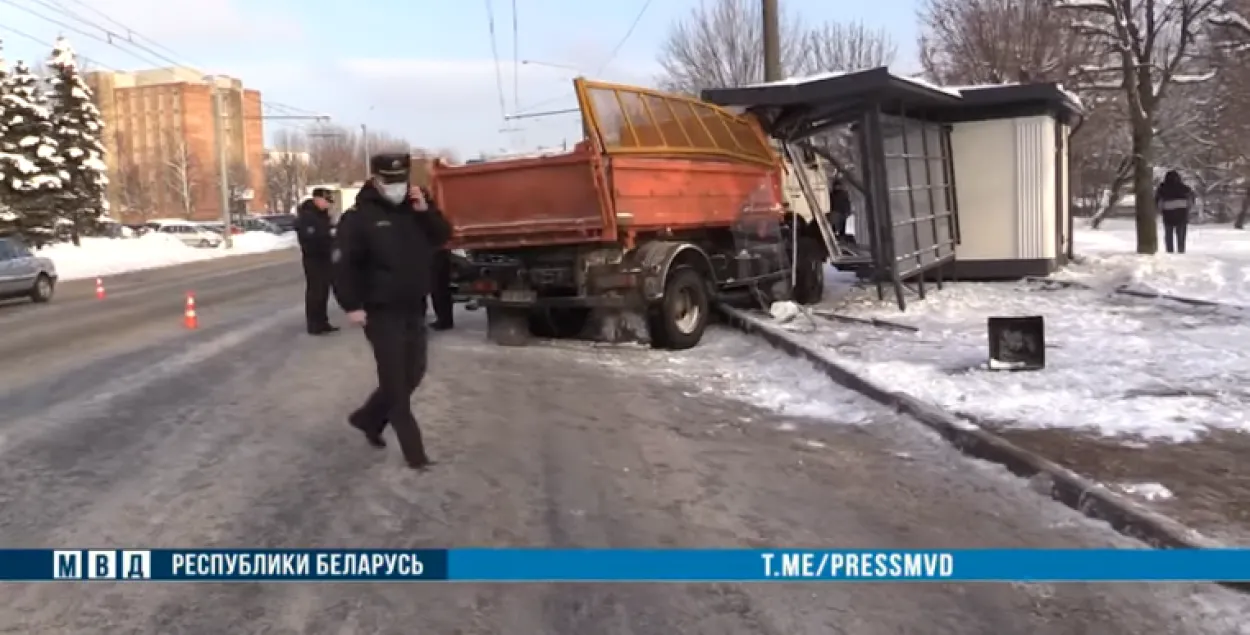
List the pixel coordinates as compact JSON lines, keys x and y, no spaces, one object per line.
{"x":1216,"y":267}
{"x":111,"y":256}
{"x":1148,"y":395}
{"x":1123,"y":366}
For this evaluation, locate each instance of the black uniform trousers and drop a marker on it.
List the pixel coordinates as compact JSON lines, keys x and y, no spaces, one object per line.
{"x":317,"y":275}
{"x":440,"y":293}
{"x":398,"y":339}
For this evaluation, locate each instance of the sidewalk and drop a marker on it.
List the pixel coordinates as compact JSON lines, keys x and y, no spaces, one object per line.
{"x":1147,"y":396}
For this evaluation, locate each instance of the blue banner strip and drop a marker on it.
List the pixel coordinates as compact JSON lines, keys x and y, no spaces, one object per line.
{"x":624,"y":565}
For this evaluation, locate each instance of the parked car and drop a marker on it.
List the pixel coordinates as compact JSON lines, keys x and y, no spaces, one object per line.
{"x":219,"y":228}
{"x":284,"y":222}
{"x":258,"y":224}
{"x":189,"y":233}
{"x":22,"y":273}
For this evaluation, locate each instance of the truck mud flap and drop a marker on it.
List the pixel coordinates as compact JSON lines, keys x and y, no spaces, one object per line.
{"x":508,"y":326}
{"x":618,"y":326}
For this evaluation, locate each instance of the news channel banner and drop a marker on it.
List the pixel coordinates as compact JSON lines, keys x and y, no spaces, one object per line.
{"x":622,"y":565}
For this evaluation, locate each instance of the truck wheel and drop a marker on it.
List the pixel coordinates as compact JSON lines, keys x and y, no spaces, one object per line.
{"x":559,"y":322}
{"x":809,"y":286}
{"x":678,"y":321}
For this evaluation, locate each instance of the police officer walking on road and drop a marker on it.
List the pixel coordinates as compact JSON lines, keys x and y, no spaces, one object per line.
{"x":382,"y":274}
{"x":316,"y":239}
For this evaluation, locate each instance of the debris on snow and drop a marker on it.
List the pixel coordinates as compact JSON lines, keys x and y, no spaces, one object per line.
{"x":1152,"y":492}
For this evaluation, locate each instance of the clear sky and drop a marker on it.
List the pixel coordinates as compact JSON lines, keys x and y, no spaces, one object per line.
{"x":413,"y":67}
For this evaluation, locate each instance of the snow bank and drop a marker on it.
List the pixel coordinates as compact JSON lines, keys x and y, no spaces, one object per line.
{"x":1117,"y":365}
{"x":110,"y":256}
{"x":1216,"y":267}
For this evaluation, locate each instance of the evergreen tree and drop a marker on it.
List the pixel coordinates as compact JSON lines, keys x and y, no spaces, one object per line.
{"x":77,"y":128}
{"x":8,"y":219}
{"x":33,"y":175}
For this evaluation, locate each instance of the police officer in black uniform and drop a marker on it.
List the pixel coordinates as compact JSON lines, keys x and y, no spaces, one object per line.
{"x":382,"y":275}
{"x":316,"y":238}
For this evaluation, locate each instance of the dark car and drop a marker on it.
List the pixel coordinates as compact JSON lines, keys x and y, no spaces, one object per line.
{"x":284,"y":222}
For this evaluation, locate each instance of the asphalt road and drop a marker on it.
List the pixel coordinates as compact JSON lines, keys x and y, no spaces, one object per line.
{"x":119,"y":428}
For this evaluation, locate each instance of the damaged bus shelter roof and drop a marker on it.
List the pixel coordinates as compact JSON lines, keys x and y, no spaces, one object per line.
{"x":799,"y":107}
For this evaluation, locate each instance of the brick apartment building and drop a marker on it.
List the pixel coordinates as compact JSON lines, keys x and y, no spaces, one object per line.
{"x":162,"y":154}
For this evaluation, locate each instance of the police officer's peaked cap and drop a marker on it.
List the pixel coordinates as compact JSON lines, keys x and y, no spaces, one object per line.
{"x":392,"y":167}
{"x":323,"y":192}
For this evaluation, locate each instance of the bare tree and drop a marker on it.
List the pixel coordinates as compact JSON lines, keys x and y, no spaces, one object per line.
{"x":334,"y":154}
{"x":239,"y":187}
{"x":1152,"y":45}
{"x":128,"y":185}
{"x":852,"y":46}
{"x":286,"y":170}
{"x":132,"y":192}
{"x":1231,"y":52}
{"x":721,"y":44}
{"x":969,"y":42}
{"x":183,"y":176}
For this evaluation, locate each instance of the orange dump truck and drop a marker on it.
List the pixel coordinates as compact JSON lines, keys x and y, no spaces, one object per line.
{"x":666,"y":205}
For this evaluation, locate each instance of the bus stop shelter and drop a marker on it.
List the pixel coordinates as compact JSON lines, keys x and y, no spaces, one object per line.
{"x":903,"y":167}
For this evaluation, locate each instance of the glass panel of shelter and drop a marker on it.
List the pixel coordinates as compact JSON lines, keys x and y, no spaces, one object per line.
{"x":921,"y":210}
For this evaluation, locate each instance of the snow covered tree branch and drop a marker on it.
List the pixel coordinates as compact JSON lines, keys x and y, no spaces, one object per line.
{"x":78,"y":127}
{"x":29,"y":158}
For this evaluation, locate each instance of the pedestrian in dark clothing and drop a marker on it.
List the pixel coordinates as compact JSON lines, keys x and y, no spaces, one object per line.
{"x":440,"y":293}
{"x":840,"y":209}
{"x":382,"y":275}
{"x":316,"y":239}
{"x":1174,"y":200}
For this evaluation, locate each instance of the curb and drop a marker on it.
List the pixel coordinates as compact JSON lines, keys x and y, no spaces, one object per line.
{"x":1090,"y":498}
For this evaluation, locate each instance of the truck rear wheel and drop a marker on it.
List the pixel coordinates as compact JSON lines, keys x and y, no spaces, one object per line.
{"x":678,"y":321}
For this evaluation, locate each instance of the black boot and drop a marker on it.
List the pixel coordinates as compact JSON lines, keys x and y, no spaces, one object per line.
{"x":374,"y":438}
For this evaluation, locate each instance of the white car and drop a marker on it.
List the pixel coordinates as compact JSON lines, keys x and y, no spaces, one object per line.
{"x":189,"y":233}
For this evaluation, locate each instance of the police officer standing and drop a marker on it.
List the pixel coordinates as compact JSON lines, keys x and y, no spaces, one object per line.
{"x":316,"y":238}
{"x":382,"y":275}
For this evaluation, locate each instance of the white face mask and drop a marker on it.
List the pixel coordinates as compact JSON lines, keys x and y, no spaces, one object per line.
{"x":394,"y":192}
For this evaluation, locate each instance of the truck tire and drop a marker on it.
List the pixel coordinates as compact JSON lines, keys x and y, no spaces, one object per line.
{"x":558,"y":322}
{"x":809,"y":285}
{"x":677,"y":322}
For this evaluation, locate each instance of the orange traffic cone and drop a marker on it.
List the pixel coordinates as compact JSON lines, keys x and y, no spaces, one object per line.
{"x":99,"y":289}
{"x":189,"y":319}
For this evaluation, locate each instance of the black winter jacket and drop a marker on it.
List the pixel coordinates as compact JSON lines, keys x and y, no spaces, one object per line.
{"x":316,"y":236}
{"x":384,"y":253}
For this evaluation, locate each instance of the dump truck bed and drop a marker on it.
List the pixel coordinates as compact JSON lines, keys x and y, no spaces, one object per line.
{"x":548,"y":200}
{"x":577,"y":198}
{"x":650,"y":163}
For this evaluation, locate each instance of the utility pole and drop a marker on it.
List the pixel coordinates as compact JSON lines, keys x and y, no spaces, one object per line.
{"x":219,"y":139}
{"x":364,"y":143}
{"x":219,"y":115}
{"x":772,"y":41}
